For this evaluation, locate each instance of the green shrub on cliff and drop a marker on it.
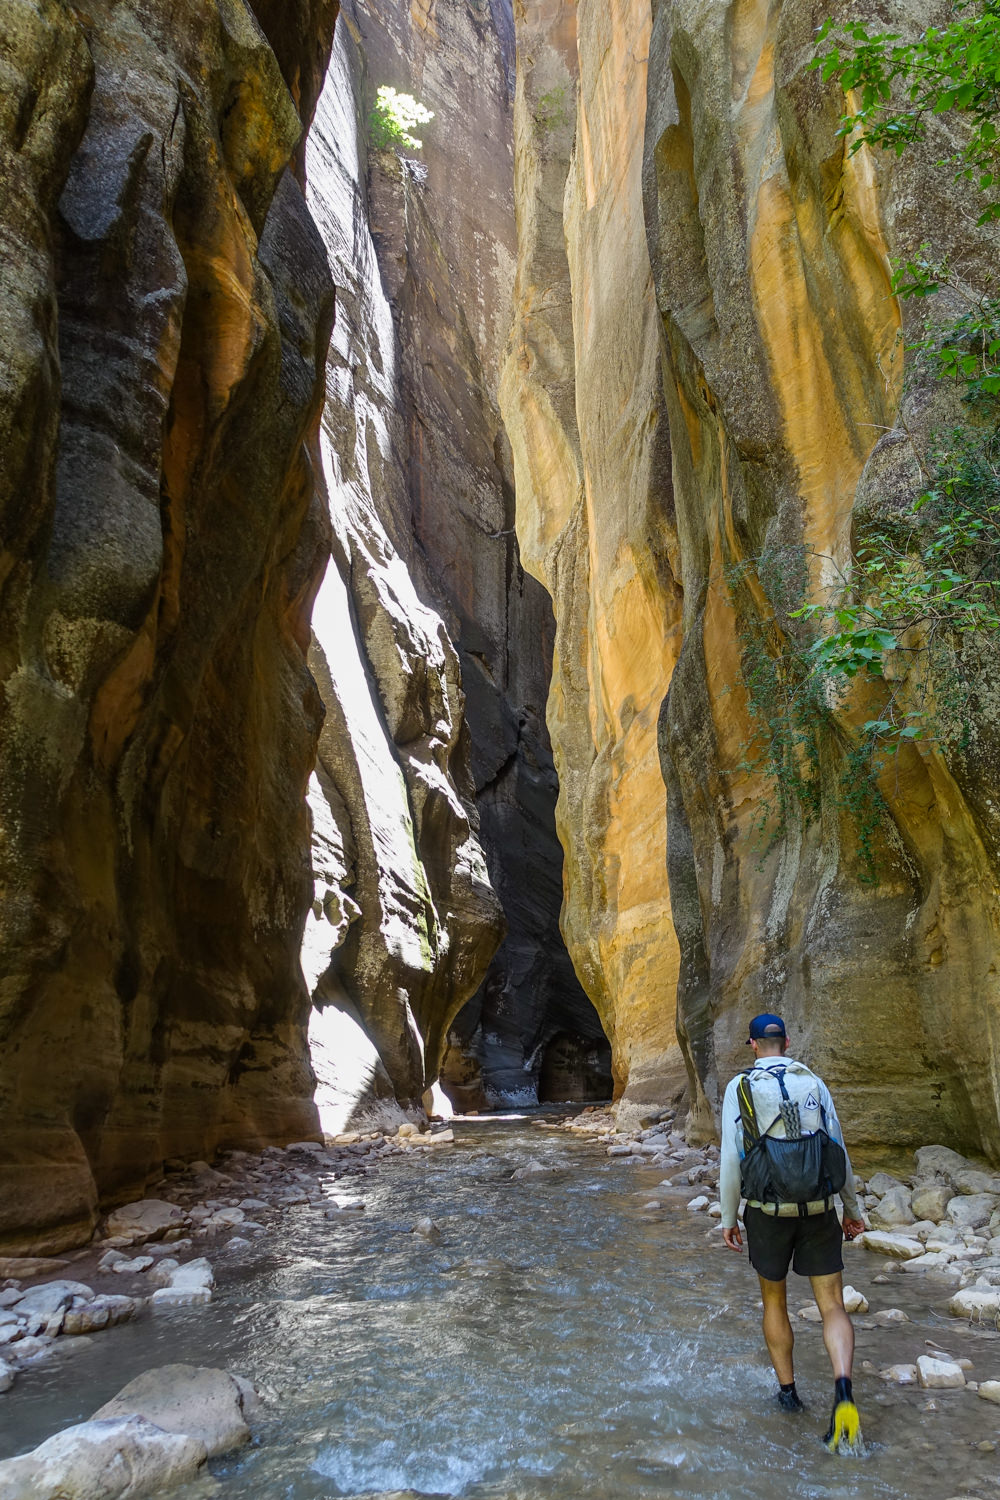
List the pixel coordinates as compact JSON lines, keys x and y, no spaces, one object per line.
{"x":899,"y":84}
{"x":393,"y":118}
{"x":922,"y":595}
{"x":917,"y":588}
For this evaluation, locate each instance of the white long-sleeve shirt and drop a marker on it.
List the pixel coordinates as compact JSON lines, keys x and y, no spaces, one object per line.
{"x":806,"y":1090}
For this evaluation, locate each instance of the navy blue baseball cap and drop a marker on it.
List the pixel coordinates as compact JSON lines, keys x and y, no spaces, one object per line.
{"x":766,"y":1028}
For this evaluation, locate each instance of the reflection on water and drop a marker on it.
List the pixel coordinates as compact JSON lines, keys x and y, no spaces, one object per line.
{"x":555,"y":1342}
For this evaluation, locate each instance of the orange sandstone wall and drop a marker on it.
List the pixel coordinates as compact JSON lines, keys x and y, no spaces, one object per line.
{"x":705,"y":367}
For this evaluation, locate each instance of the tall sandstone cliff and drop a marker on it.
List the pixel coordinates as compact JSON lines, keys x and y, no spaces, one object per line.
{"x":426,"y":620}
{"x":706,"y":366}
{"x":165,"y":305}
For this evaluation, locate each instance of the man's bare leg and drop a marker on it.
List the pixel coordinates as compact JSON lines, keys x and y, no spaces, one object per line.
{"x":838,"y":1336}
{"x":838,"y":1330}
{"x":778,"y":1330}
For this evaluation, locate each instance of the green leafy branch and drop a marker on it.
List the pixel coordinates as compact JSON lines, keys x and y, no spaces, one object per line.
{"x":393,"y":119}
{"x":899,"y":83}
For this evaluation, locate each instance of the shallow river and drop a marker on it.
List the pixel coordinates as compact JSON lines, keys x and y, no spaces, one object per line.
{"x":556,"y":1342}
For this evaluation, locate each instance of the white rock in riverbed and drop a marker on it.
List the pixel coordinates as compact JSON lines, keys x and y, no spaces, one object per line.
{"x":855,"y":1301}
{"x":189,"y":1285}
{"x":939,"y":1374}
{"x":210,"y":1405}
{"x":975,"y":1303}
{"x":972,"y":1210}
{"x":49,"y":1298}
{"x":990,"y":1390}
{"x":900,"y":1374}
{"x":103,"y":1461}
{"x":889,"y":1317}
{"x":898,"y":1246}
{"x":102,"y":1312}
{"x":147,"y":1219}
{"x":6,"y":1376}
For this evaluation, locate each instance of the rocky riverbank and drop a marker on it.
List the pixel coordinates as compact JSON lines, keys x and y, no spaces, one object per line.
{"x":941,"y":1220}
{"x":317,"y":1293}
{"x":158,"y":1253}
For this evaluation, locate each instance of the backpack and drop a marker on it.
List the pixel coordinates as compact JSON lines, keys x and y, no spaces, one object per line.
{"x":802,"y":1168}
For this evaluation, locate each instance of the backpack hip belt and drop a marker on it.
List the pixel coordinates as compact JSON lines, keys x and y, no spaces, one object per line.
{"x":794,"y":1210}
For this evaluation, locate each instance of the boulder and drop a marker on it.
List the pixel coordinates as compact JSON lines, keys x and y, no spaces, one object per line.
{"x":147,"y":1219}
{"x":126,"y":1457}
{"x":939,"y":1374}
{"x":884,"y":1182}
{"x":931,"y":1202}
{"x":189,"y":1285}
{"x":973,"y":1181}
{"x":990,"y":1390}
{"x":102,"y":1312}
{"x":894,"y":1209}
{"x":975,"y":1303}
{"x":126,"y":1267}
{"x":695,"y":1205}
{"x":934,"y":1260}
{"x":898,"y":1246}
{"x":208,"y":1405}
{"x":49,"y":1298}
{"x":941,"y":1160}
{"x":855,"y":1301}
{"x":972,"y":1211}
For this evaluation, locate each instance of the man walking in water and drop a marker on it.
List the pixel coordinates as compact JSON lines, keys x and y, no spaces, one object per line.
{"x":780,"y":1100}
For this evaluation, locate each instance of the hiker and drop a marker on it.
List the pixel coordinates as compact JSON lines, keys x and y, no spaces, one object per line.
{"x":783,"y":1150}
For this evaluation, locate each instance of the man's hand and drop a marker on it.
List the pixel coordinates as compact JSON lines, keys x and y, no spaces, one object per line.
{"x":853,"y":1227}
{"x":733,"y":1238}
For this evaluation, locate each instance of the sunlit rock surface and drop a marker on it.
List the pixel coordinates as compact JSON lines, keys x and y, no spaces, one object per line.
{"x":432,"y":756}
{"x":165,"y":303}
{"x":769,"y":331}
{"x":582,"y":404}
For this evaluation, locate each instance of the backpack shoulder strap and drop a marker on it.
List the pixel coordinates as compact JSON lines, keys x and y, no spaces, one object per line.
{"x":748,"y":1114}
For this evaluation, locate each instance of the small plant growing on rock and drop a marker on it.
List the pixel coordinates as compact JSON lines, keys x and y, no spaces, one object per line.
{"x":393,"y":119}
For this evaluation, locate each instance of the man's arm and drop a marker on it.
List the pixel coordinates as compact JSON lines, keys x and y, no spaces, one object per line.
{"x":852,"y":1209}
{"x":729,"y":1157}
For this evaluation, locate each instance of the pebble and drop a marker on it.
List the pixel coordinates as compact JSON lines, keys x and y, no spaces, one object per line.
{"x":890,"y":1316}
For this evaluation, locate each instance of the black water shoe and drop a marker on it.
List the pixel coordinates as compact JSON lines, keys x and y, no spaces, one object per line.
{"x":788,"y":1398}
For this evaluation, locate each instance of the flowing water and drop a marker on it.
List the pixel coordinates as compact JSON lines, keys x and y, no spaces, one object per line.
{"x":555,"y":1342}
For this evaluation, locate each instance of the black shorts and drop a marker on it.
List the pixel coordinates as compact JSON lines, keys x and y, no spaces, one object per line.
{"x":812,"y":1246}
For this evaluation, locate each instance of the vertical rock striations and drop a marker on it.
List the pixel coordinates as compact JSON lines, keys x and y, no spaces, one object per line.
{"x":771,"y":246}
{"x":166,"y":303}
{"x":420,"y":498}
{"x":759,"y":329}
{"x":582,"y":403}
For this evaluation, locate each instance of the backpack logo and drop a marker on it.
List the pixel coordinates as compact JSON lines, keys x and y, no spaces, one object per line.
{"x":812,"y":1102}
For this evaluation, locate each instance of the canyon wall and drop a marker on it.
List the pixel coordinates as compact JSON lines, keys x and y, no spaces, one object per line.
{"x":582,"y":403}
{"x":165,"y":307}
{"x":433,"y":648}
{"x":685,"y":407}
